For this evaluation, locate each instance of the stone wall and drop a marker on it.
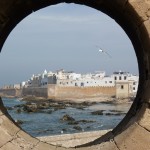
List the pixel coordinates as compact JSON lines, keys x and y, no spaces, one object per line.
{"x":10,"y":92}
{"x":83,"y":92}
{"x":37,"y":92}
{"x":58,"y":92}
{"x":122,"y":90}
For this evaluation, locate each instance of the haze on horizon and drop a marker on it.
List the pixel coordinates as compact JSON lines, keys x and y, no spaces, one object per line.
{"x":65,"y":36}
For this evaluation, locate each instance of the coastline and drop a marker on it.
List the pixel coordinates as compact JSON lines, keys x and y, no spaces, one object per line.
{"x":70,"y":117}
{"x":100,"y":99}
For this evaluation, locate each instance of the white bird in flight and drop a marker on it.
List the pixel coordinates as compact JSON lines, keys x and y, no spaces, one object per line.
{"x":103,"y":51}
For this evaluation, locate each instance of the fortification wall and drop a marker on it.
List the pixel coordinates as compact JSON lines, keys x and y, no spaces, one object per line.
{"x":37,"y":92}
{"x":60,"y":92}
{"x":10,"y":92}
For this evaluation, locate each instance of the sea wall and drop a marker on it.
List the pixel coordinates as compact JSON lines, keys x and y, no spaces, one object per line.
{"x":35,"y":91}
{"x":10,"y":92}
{"x":59,"y":92}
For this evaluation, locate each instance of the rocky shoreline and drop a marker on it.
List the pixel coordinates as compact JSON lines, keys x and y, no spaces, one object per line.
{"x":66,"y":111}
{"x":41,"y":105}
{"x":34,"y":104}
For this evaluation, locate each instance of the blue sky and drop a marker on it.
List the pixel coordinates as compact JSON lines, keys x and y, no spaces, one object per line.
{"x":65,"y":36}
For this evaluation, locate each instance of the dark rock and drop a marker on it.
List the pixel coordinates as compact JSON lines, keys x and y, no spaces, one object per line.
{"x":86,"y":121}
{"x":77,"y":128}
{"x":59,"y":107}
{"x":19,"y":106}
{"x":86,"y":103}
{"x":108,"y":114}
{"x":118,"y":111}
{"x":67,"y":118}
{"x":9,"y":108}
{"x":18,"y":110}
{"x":98,"y":112}
{"x":88,"y":127}
{"x":30,"y":108}
{"x":64,"y":130}
{"x":73,"y":123}
{"x":115,"y":114}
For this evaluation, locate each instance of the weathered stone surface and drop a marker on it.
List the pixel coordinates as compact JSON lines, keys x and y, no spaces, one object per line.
{"x":8,"y":125}
{"x":1,"y":113}
{"x":133,"y":16}
{"x":102,"y":146}
{"x":24,"y":141}
{"x":141,"y":7}
{"x":135,"y":137}
{"x":144,"y":34}
{"x":4,"y":137}
{"x":73,"y":140}
{"x":61,"y":148}
{"x":27,"y":138}
{"x":10,"y":146}
{"x":44,"y":146}
{"x":144,"y":116}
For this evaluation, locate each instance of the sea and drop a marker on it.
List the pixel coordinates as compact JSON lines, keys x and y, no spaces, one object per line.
{"x":46,"y":124}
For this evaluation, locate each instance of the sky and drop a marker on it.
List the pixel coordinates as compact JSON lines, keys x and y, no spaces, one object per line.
{"x":65,"y":36}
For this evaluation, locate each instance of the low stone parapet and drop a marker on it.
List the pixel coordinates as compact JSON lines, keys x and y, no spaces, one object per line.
{"x":73,"y":140}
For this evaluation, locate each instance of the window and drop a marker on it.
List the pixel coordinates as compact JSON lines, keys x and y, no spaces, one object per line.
{"x":110,"y":81}
{"x":115,"y":78}
{"x":122,"y":87}
{"x":133,"y":88}
{"x":134,"y":83}
{"x":82,"y":84}
{"x":120,"y":78}
{"x":125,"y":77}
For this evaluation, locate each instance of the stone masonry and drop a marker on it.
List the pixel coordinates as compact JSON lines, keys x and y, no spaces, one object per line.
{"x":134,"y":130}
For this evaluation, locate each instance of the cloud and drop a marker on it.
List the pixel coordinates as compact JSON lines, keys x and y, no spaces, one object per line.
{"x":66,"y":18}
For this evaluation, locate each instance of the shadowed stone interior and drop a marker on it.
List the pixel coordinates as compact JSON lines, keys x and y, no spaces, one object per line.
{"x":133,"y":131}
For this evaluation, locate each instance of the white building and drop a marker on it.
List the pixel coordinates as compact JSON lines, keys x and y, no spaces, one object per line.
{"x":125,"y":77}
{"x":71,"y":79}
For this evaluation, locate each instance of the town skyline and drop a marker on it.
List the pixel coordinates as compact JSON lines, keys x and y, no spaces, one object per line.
{"x":99,"y":74}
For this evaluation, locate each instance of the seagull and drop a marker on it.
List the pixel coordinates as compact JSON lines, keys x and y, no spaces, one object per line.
{"x":103,"y":51}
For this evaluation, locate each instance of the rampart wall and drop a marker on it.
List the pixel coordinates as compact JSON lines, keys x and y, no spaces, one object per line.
{"x":35,"y":91}
{"x":10,"y":92}
{"x":59,"y":92}
{"x":82,"y":92}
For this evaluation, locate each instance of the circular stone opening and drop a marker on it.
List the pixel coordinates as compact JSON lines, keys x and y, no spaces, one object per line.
{"x":135,"y":27}
{"x":70,"y":41}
